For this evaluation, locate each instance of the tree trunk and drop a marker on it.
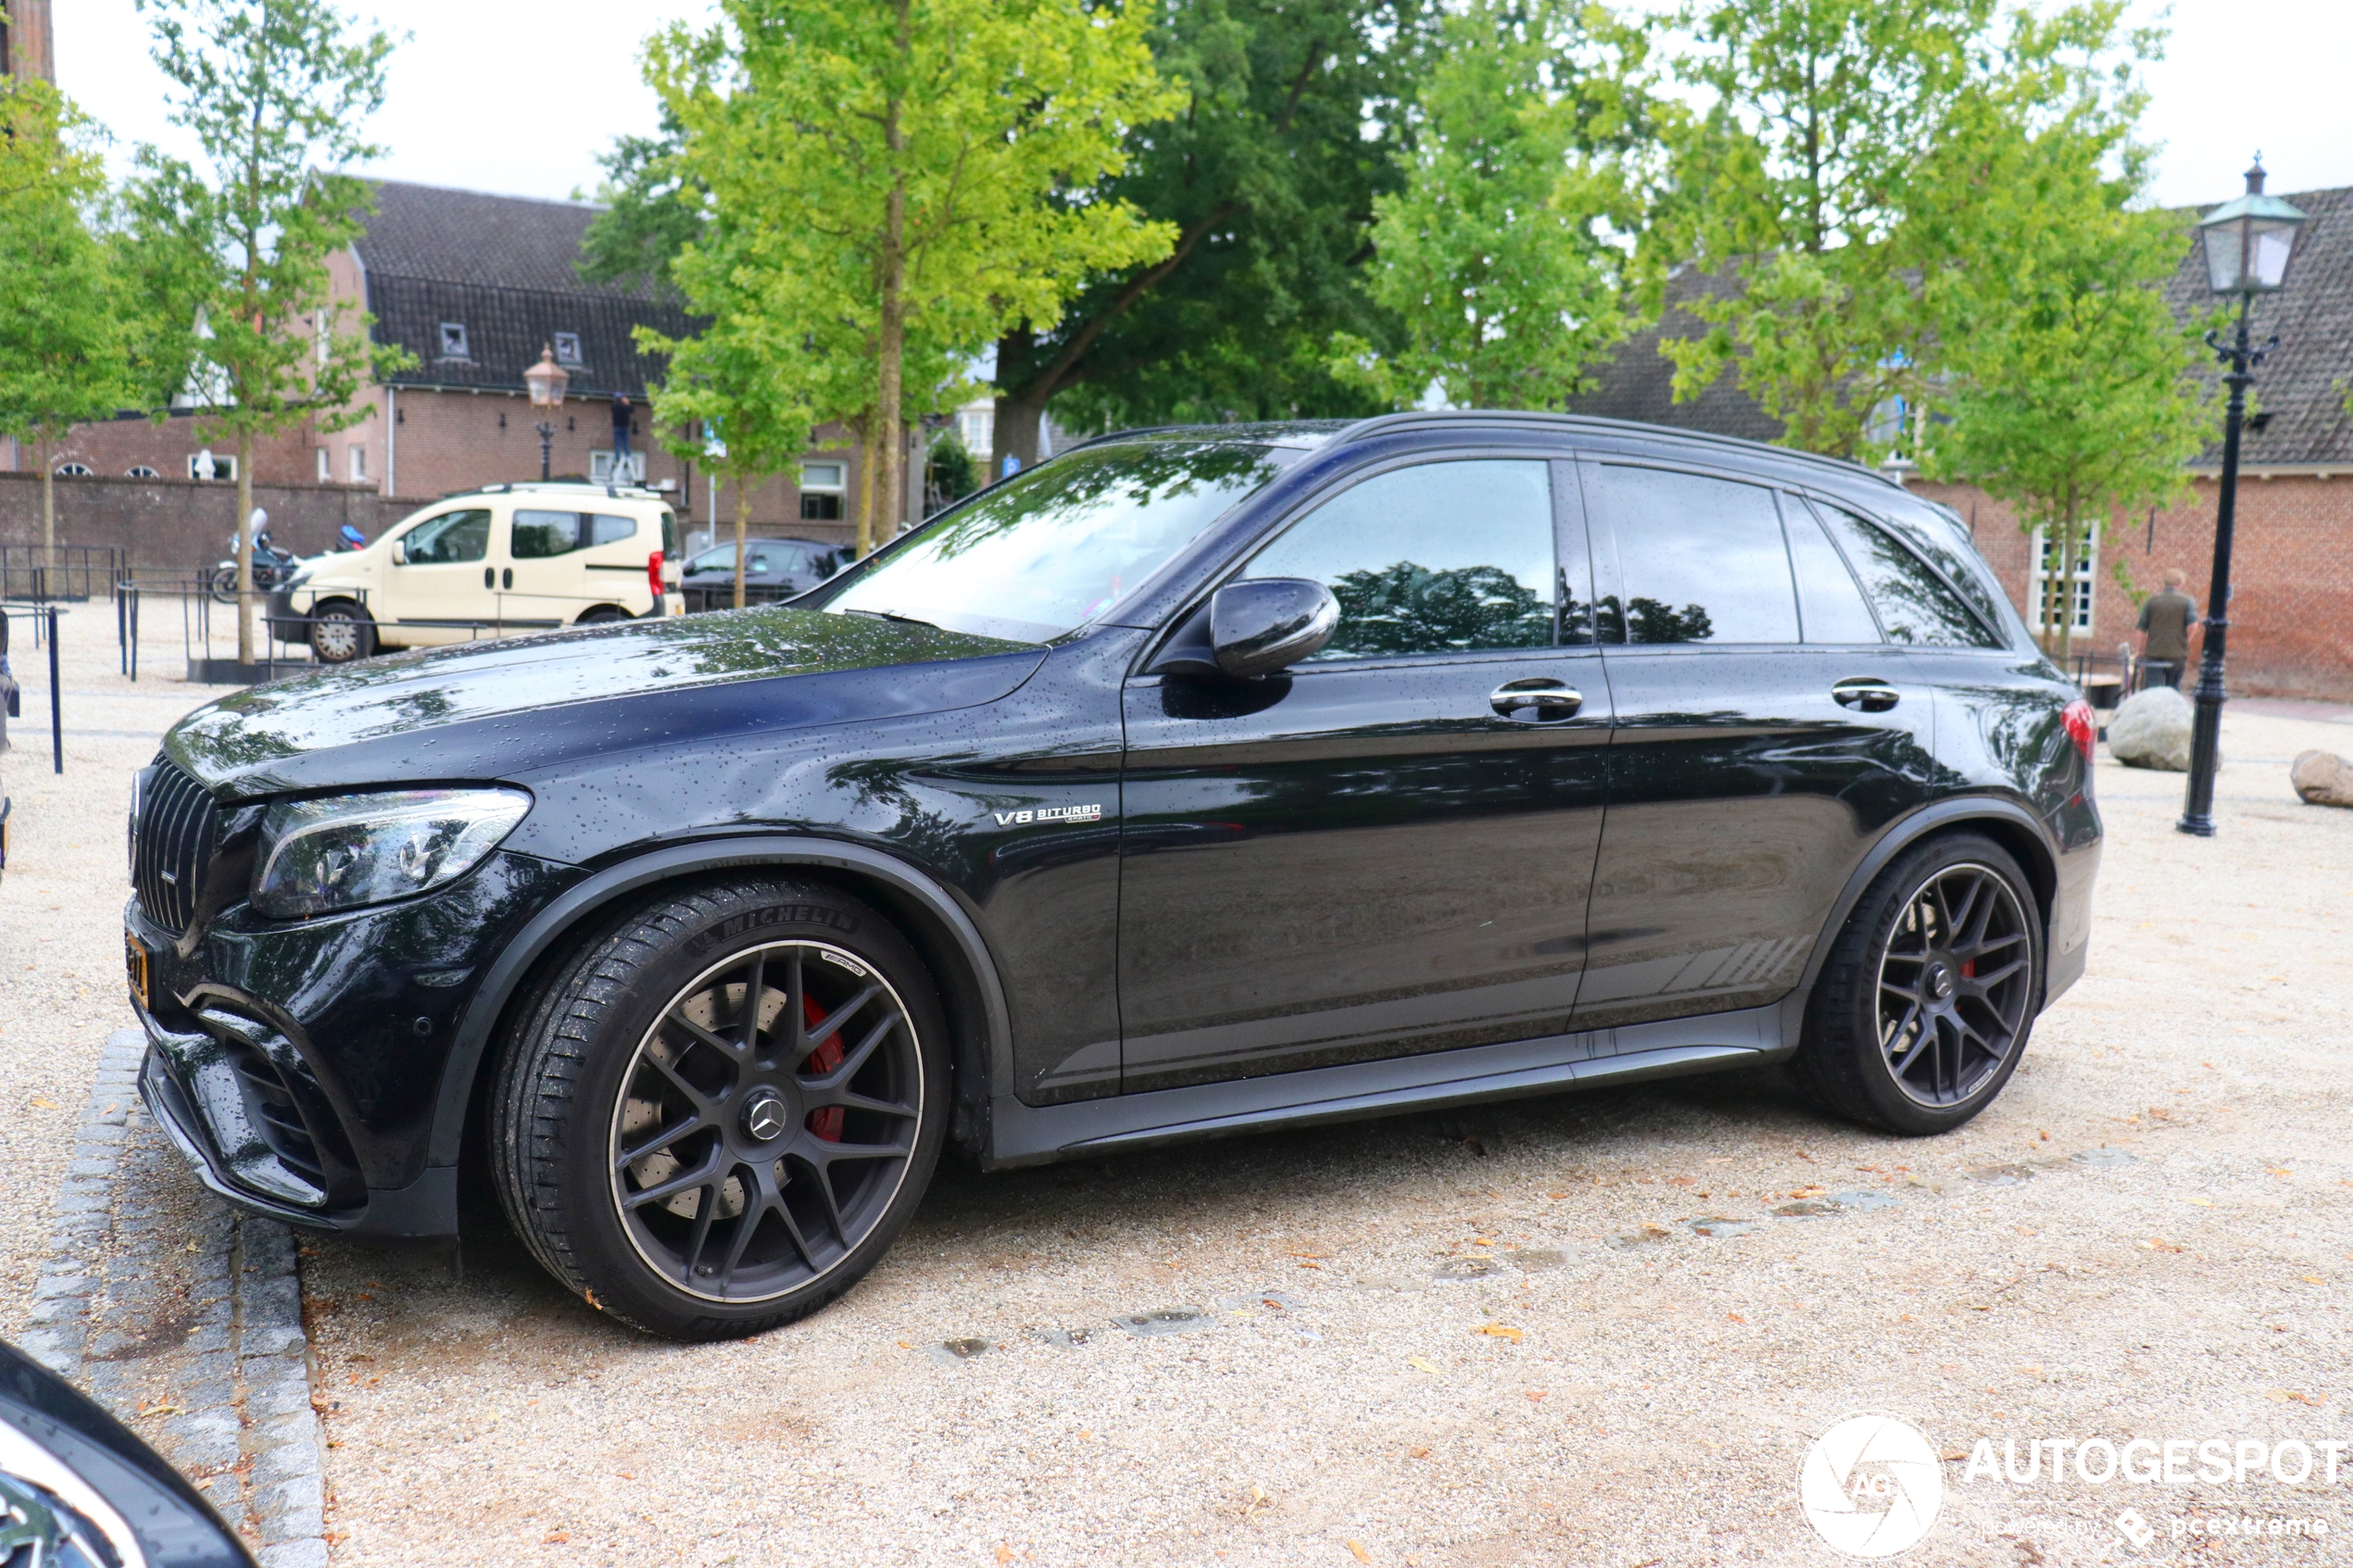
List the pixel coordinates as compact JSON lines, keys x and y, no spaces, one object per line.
{"x":244,"y":544}
{"x":743,"y":531}
{"x":1018,"y":427}
{"x":861,"y":430}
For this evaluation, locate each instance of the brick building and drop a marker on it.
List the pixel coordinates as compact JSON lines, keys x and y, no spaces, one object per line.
{"x":2292,"y":572}
{"x":474,"y":286}
{"x":25,"y":46}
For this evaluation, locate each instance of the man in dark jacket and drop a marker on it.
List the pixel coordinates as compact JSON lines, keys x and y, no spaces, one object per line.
{"x":624,"y":414}
{"x":2165,"y":621}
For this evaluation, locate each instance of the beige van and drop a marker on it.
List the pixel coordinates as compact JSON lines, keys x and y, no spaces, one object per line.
{"x":490,"y":563}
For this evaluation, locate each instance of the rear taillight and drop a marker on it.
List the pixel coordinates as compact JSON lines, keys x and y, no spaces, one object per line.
{"x":653,"y":572}
{"x":2083,"y":726}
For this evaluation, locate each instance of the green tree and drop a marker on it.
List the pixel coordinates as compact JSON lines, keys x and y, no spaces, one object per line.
{"x":64,"y":350}
{"x":888,"y":170}
{"x":1292,"y":114}
{"x":1505,"y":258}
{"x":653,"y":208}
{"x":273,"y":91}
{"x":2070,"y":385}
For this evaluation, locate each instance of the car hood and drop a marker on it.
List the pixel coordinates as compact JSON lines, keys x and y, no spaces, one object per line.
{"x":502,"y":709}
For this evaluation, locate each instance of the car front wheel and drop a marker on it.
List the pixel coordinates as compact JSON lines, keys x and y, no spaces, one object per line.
{"x":719,"y":1113}
{"x":341,"y":632}
{"x":1925,"y":1003}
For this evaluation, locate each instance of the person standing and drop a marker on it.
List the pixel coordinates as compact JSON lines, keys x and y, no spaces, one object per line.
{"x":624,"y":414}
{"x":2165,"y":621}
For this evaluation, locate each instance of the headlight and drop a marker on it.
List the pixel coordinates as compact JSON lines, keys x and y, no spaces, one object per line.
{"x":354,"y":849}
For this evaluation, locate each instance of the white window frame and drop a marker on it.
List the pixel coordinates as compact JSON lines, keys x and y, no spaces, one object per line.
{"x":74,"y":468}
{"x":358,"y":462}
{"x":326,"y":465}
{"x":461,"y":345}
{"x":224,"y":466}
{"x":140,"y":470}
{"x":601,"y":468}
{"x":2085,"y":589}
{"x":568,"y":348}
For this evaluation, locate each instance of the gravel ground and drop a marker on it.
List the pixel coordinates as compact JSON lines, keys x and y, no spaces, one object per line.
{"x":1496,"y":1337}
{"x":61,"y":981}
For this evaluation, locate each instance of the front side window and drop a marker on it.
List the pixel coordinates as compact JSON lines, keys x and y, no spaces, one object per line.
{"x":448,"y":539}
{"x":1440,"y":557}
{"x":1046,"y":554}
{"x":1700,"y":559}
{"x":1913,"y":602}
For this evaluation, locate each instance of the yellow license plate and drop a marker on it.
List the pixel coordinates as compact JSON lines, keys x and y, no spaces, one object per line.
{"x":135,"y":955}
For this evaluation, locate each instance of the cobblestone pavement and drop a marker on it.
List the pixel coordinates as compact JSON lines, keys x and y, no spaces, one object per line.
{"x":184,"y":1319}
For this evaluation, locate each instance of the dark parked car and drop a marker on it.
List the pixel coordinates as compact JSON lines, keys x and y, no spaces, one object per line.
{"x":781,"y":568}
{"x":78,"y":1490}
{"x":1194,"y":782}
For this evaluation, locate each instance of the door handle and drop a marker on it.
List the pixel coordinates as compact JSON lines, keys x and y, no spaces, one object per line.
{"x":1551,"y":699}
{"x":489,"y":577}
{"x":507,"y":578}
{"x":1864,"y":692}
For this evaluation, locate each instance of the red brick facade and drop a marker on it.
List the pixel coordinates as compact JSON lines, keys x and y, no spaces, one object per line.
{"x":2292,"y":573}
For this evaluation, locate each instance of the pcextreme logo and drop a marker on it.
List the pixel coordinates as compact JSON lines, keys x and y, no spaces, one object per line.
{"x":1870,"y":1485}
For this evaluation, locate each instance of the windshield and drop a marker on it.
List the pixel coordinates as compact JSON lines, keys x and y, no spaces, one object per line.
{"x":1047,"y":552}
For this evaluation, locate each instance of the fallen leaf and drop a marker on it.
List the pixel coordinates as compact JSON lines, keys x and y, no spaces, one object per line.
{"x":43,"y":1102}
{"x":1306,"y":1254}
{"x":1556,"y":1196}
{"x":1318,"y":1267}
{"x":1499,"y":1331}
{"x":1359,"y":1553}
{"x":1005,"y":1552}
{"x":1417,"y":1453}
{"x":2314,"y":1279}
{"x":1679,"y":1181}
{"x":555,"y":1537}
{"x":1535,"y":1394}
{"x":590,"y":1294}
{"x":1418,"y":1362}
{"x":2275,"y":1171}
{"x":1735,"y":1317}
{"x":1087,"y":1432}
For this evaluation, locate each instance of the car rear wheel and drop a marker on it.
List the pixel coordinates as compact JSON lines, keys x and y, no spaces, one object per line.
{"x":341,"y":632}
{"x":718,"y":1114}
{"x":603,"y":615}
{"x":1925,"y":1004}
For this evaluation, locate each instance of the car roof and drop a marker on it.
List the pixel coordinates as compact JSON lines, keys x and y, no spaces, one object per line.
{"x":563,"y":489}
{"x":1624,"y":434}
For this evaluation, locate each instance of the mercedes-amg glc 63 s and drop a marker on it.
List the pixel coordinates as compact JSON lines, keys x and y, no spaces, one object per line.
{"x":1194,"y":782}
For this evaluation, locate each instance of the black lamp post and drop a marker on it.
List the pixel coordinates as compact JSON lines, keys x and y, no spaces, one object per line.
{"x":546,"y":381}
{"x":2248,"y":243}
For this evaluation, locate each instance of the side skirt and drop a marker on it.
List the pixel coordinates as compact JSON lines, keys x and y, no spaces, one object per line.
{"x":1026,"y":1134}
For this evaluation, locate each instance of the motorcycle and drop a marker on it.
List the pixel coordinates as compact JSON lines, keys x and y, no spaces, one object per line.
{"x":271,"y":568}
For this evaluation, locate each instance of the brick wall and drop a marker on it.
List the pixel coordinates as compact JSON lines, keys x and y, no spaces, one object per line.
{"x":2292,"y":570}
{"x":174,"y":526}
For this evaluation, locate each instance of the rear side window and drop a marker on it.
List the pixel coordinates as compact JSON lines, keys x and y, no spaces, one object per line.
{"x":669,"y":535}
{"x":604,"y":529}
{"x":1914,"y":604}
{"x":1828,"y":601}
{"x":1699,"y":560}
{"x":449,"y":539}
{"x":539,"y":534}
{"x":1442,"y":557}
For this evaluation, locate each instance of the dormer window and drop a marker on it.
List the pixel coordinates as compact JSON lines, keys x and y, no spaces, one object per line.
{"x":567,"y":349}
{"x":453,"y":341}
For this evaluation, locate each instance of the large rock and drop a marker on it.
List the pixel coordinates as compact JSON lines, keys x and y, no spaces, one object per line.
{"x":2322,"y":777}
{"x":2152,"y":730}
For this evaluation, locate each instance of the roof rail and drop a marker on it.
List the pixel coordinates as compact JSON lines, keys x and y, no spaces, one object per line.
{"x":1380,"y":424}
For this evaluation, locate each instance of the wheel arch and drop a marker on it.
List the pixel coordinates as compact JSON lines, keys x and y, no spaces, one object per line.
{"x":932,"y":919}
{"x":2004,"y":821}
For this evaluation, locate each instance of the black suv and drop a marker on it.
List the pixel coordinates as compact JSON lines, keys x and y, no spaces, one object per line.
{"x":1194,"y":782}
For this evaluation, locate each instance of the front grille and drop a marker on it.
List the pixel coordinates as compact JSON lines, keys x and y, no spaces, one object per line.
{"x":178,"y":828}
{"x":275,"y":1115}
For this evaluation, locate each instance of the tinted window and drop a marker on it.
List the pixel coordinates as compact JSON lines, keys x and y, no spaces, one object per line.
{"x":450,"y":538}
{"x":1437,"y":558}
{"x":1047,"y":551}
{"x":1700,"y":560}
{"x":604,"y":529}
{"x":1914,"y":604}
{"x":669,"y":535}
{"x":1828,"y":600}
{"x":540,"y":534}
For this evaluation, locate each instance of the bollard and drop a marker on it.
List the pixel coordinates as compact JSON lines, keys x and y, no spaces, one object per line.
{"x":134,"y":634}
{"x":57,"y":708}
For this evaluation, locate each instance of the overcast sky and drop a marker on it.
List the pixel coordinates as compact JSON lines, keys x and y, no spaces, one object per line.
{"x":497,"y":96}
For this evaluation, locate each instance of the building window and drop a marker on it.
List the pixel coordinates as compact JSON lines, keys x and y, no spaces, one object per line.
{"x":213,"y":465}
{"x":141,"y":470}
{"x":326,"y":467}
{"x":73,"y":470}
{"x":976,"y":428}
{"x":603,"y":471}
{"x":2077,"y":596}
{"x":453,"y":341}
{"x":322,"y":331}
{"x":821,"y":491}
{"x":567,"y":349}
{"x":358,"y":464}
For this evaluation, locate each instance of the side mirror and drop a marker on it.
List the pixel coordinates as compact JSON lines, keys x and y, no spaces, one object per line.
{"x":1252,"y":628}
{"x":400,"y":552}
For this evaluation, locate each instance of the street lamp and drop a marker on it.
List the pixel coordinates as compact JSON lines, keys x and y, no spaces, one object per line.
{"x":546,"y":381}
{"x":2248,"y":242}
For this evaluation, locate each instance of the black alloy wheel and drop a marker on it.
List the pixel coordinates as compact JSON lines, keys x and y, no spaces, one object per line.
{"x":718,"y":1115}
{"x":1925,"y":1003}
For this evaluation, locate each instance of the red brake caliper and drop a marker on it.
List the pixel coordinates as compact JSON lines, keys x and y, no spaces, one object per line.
{"x":1968,"y":970}
{"x":826,"y":1120}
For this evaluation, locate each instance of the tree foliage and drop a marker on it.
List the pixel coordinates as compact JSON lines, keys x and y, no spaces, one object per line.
{"x":274,"y":93}
{"x":887,"y":176}
{"x":1504,"y":260}
{"x":64,"y":351}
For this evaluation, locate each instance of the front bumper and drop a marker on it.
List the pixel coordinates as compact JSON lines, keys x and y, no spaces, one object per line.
{"x":299,"y":1065}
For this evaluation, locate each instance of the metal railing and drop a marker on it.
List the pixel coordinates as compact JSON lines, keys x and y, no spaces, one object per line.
{"x":39,"y":574}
